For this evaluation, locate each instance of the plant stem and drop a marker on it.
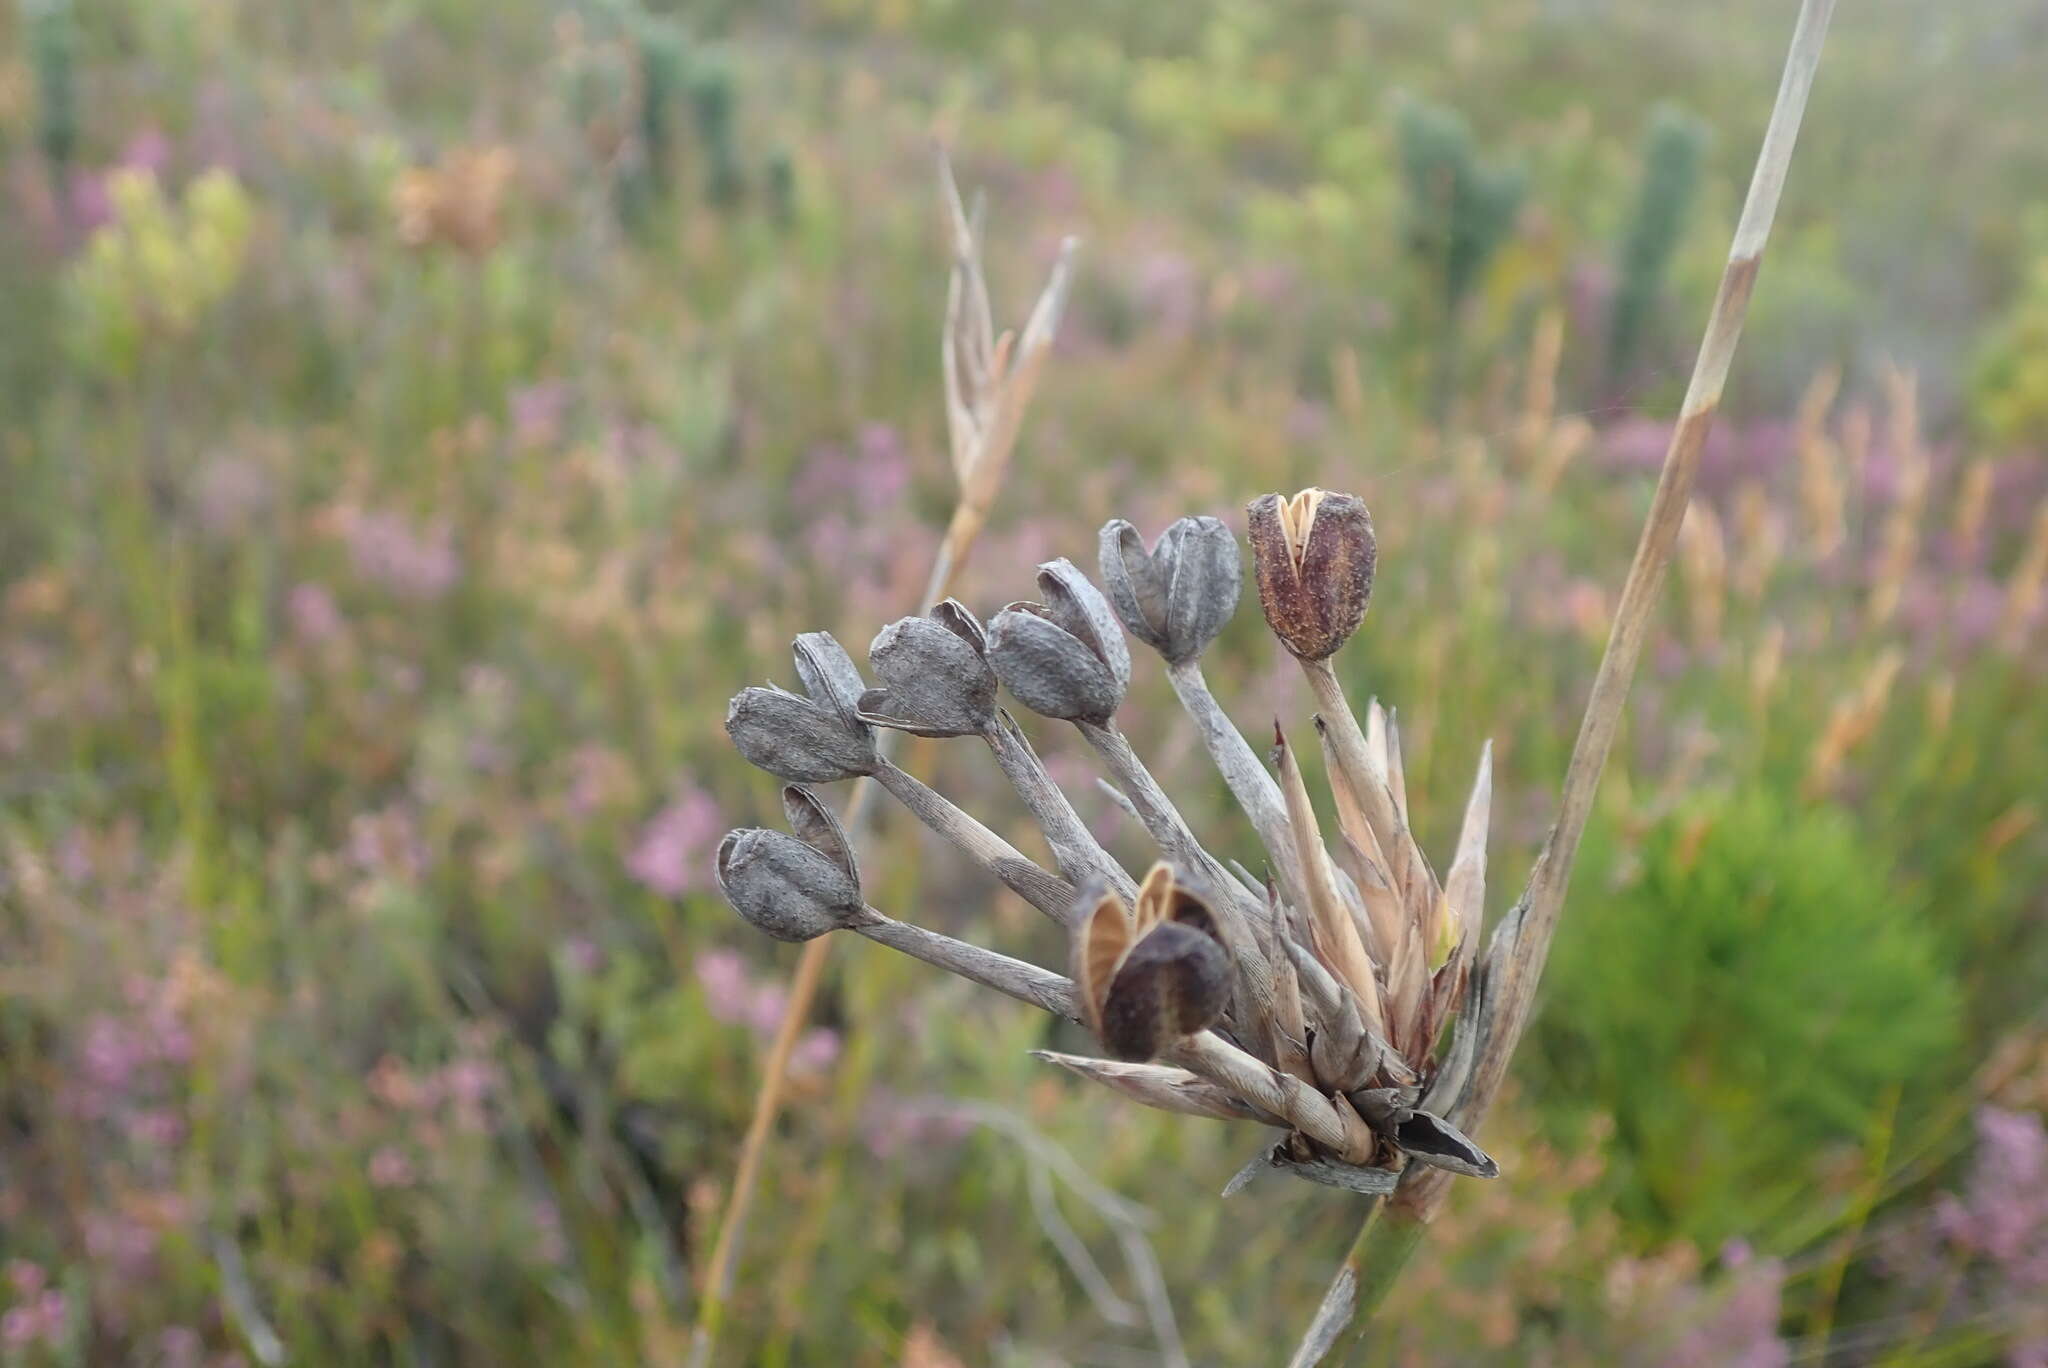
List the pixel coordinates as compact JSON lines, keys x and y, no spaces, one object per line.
{"x":1521,"y":943}
{"x":1247,"y":779}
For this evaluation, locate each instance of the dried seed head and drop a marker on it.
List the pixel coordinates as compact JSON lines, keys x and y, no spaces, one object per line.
{"x":1313,"y":555}
{"x":1177,"y":597}
{"x":935,"y":681}
{"x":1174,"y":982}
{"x":784,"y":887}
{"x":797,"y":739}
{"x":1049,"y":669}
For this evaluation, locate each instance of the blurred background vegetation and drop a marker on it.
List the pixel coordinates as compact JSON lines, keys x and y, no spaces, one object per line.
{"x":417,"y":417}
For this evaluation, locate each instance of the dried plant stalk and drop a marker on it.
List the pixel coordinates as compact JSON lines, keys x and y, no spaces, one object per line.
{"x":1515,"y":957}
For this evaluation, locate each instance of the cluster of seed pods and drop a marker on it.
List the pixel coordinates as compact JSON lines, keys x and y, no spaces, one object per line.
{"x":1314,"y":999}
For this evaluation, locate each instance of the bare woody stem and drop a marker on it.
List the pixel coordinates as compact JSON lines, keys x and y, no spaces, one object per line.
{"x":1520,"y":945}
{"x":1163,"y":822}
{"x":1012,"y":977}
{"x":1079,"y":855}
{"x":1048,"y":893}
{"x":1247,"y":779}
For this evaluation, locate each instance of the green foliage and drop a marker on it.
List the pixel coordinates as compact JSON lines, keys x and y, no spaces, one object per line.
{"x":1459,"y":210}
{"x":1746,"y":991}
{"x":664,"y":73}
{"x":2009,"y":389}
{"x":53,"y":56}
{"x":714,"y":96}
{"x":1672,"y":153}
{"x":157,"y":268}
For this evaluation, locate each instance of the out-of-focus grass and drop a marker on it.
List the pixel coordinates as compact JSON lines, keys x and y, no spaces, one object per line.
{"x":399,"y":468}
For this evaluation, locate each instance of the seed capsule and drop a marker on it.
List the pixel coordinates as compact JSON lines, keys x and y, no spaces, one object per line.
{"x":1048,"y":669}
{"x":1178,"y":596}
{"x":796,"y":739}
{"x":935,"y":681}
{"x":814,"y":740}
{"x":1313,"y":555}
{"x":784,"y":887}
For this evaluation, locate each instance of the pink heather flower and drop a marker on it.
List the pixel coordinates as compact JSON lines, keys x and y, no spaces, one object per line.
{"x":120,"y":1244}
{"x":156,"y":1128}
{"x":2004,"y":1213}
{"x":598,"y":777}
{"x":229,"y":493}
{"x":894,"y":1124}
{"x":468,"y":1084}
{"x":583,"y":955}
{"x":1740,"y":1330}
{"x":816,"y":1051}
{"x":390,"y":552}
{"x":875,"y":474}
{"x":671,"y":857}
{"x":390,"y":1168}
{"x":537,"y":413}
{"x":315,"y":617}
{"x":884,"y":472}
{"x":148,"y":150}
{"x":387,"y":842}
{"x":26,"y":1278}
{"x":1167,"y":289}
{"x":728,"y":991}
{"x":733,"y":996}
{"x":180,"y":1346}
{"x":32,"y":1321}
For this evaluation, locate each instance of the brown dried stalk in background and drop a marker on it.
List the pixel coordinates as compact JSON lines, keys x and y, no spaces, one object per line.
{"x":989,"y":382}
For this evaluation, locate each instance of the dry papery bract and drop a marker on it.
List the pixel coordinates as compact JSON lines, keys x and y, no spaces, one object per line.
{"x":1314,"y":1001}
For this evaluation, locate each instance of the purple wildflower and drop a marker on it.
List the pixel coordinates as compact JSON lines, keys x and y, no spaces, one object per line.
{"x":670,"y":858}
{"x":315,"y":617}
{"x":411,"y":562}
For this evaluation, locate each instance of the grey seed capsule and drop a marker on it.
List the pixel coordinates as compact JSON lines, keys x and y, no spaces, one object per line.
{"x":817,"y":826}
{"x":830,"y":677}
{"x":796,"y":739}
{"x":1050,"y":671}
{"x":1173,"y":983}
{"x":934,"y":681}
{"x":1177,"y":597}
{"x":783,"y":887}
{"x":1073,"y":602}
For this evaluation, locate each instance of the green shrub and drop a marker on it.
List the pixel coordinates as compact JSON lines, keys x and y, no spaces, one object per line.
{"x":1460,"y":211}
{"x":1748,"y":990}
{"x":2009,"y":389}
{"x":1672,"y":153}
